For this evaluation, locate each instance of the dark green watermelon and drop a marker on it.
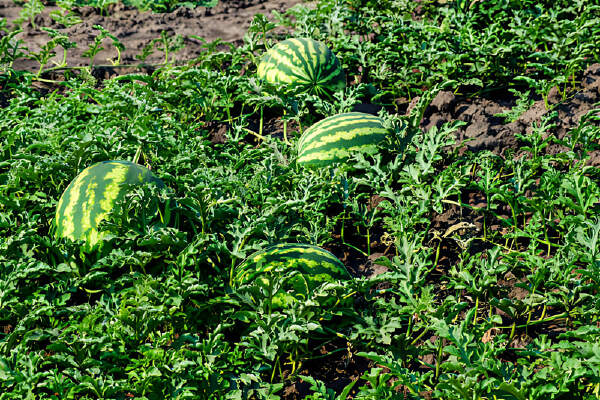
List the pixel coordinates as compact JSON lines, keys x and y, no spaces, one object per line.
{"x":302,"y":65}
{"x":312,"y":264}
{"x":335,"y":138}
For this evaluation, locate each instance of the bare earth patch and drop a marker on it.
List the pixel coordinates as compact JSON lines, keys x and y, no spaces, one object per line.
{"x":228,"y":21}
{"x":487,"y":131}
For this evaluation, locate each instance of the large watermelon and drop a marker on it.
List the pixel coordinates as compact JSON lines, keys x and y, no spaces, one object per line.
{"x":313,"y":265}
{"x":91,"y":196}
{"x":302,"y":65}
{"x":335,"y":138}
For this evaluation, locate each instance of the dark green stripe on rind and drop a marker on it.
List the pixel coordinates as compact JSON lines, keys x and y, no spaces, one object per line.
{"x":90,"y":197}
{"x":302,"y":74}
{"x":301,"y":61}
{"x":339,"y":124}
{"x":310,"y":267}
{"x":306,"y":259}
{"x":335,"y":122}
{"x":335,"y":138}
{"x":355,"y":144}
{"x":302,"y":64}
{"x":306,"y":49}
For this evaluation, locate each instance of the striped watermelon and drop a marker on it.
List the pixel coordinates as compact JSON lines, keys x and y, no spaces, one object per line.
{"x":335,"y":138}
{"x":91,"y":196}
{"x":302,"y":65}
{"x":313,"y":264}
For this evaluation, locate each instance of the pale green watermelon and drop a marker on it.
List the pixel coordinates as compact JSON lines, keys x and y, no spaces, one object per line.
{"x":91,"y":196}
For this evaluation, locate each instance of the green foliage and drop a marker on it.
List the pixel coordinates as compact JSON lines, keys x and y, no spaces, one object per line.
{"x":480,"y":44}
{"x":502,"y":304}
{"x":30,"y":10}
{"x":154,"y":5}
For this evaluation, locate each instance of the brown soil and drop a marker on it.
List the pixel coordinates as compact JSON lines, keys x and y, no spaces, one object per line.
{"x":228,"y":21}
{"x":337,"y":365}
{"x":454,"y":228}
{"x":487,"y":131}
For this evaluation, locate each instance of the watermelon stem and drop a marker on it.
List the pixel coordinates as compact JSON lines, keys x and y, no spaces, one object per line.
{"x":285,"y":128}
{"x":438,"y":360}
{"x":529,"y":313}
{"x":260,"y":124}
{"x":274,"y":367}
{"x":343,"y":223}
{"x":355,"y":248}
{"x":477,"y":310}
{"x":136,"y":157}
{"x":261,"y":137}
{"x":419,"y":337}
{"x":293,"y":360}
{"x":437,"y":254}
{"x":231,"y":272}
{"x":409,"y":328}
{"x":336,"y":333}
{"x":229,"y":119}
{"x":543,"y":313}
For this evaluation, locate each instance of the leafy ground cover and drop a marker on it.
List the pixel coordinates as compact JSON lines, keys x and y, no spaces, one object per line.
{"x":473,"y":237}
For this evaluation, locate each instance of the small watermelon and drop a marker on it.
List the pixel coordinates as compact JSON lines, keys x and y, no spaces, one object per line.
{"x":302,"y":65}
{"x":313,"y":265}
{"x":91,"y":196}
{"x":335,"y":138}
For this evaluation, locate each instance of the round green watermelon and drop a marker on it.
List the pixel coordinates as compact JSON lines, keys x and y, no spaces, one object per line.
{"x":92,"y":195}
{"x":313,"y":266}
{"x":335,"y":138}
{"x":302,"y":65}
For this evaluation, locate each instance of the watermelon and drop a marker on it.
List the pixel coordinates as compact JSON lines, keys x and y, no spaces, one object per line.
{"x":335,"y":138}
{"x":92,"y":195}
{"x":302,"y":65}
{"x":313,"y":265}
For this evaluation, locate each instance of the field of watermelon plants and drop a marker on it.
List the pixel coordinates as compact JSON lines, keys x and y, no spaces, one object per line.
{"x":344,"y":199}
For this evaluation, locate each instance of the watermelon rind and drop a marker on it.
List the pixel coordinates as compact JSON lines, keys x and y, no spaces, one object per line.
{"x":302,"y":65}
{"x":336,"y":138}
{"x":310,"y":264}
{"x":91,"y":197}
